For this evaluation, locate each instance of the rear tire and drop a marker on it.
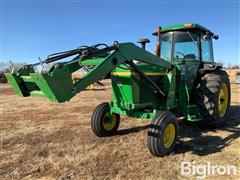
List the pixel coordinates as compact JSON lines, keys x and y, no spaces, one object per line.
{"x":213,"y":98}
{"x":103,"y":122}
{"x":162,"y":134}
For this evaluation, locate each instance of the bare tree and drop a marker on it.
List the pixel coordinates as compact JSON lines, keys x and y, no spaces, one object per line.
{"x":235,"y":66}
{"x":7,"y":66}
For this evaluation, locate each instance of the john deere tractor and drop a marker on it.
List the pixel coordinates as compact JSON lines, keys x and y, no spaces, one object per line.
{"x":179,"y":81}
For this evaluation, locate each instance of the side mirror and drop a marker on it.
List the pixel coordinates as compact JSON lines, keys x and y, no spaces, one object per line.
{"x":215,"y":36}
{"x":206,"y":36}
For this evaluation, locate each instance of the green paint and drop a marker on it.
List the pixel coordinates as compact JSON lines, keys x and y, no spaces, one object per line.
{"x":183,"y":27}
{"x":131,"y":96}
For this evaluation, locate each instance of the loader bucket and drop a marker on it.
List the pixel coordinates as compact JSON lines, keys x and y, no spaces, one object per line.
{"x":56,"y":87}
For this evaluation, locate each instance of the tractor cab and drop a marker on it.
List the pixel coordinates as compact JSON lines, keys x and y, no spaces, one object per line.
{"x":189,"y":48}
{"x":185,"y":42}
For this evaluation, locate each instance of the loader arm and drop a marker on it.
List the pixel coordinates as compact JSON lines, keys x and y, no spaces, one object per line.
{"x":57,"y":84}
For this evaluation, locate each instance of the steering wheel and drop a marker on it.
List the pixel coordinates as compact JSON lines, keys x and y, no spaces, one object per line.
{"x":177,"y":52}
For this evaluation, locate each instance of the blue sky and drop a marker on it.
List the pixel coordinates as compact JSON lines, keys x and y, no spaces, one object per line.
{"x":32,"y":29}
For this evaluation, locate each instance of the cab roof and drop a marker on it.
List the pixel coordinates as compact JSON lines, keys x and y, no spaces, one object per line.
{"x":182,"y":27}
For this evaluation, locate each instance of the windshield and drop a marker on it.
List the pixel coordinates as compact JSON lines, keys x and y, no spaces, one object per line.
{"x":184,"y":44}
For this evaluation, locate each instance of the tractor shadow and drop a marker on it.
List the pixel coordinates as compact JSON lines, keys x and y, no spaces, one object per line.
{"x":132,"y":130}
{"x":204,"y":141}
{"x":201,"y":141}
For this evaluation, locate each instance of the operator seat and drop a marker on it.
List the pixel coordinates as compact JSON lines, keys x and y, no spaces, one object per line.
{"x":190,"y":57}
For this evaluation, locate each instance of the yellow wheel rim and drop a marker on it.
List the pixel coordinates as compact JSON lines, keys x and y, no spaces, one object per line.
{"x":169,"y":135}
{"x":223,"y":100}
{"x":109,"y":122}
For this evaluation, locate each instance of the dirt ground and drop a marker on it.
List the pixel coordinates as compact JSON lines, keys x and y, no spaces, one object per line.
{"x":42,"y":139}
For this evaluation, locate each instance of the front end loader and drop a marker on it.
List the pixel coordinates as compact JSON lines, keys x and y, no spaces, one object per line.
{"x":180,"y":81}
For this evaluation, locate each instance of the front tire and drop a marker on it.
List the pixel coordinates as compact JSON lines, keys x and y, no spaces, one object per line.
{"x":103,"y":122}
{"x":162,"y":134}
{"x":213,"y":98}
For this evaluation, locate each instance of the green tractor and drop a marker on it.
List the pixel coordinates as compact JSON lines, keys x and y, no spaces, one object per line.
{"x":179,"y":82}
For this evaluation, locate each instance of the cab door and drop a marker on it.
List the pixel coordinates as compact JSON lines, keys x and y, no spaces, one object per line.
{"x":186,"y":55}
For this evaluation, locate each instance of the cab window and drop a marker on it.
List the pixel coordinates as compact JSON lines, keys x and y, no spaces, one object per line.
{"x":166,"y":46}
{"x":207,"y":54}
{"x":185,"y":46}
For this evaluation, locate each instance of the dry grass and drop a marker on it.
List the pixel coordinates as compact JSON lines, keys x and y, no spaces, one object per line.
{"x":41,"y":139}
